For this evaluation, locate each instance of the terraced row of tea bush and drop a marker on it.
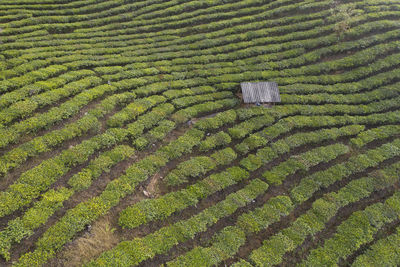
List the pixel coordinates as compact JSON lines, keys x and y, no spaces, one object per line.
{"x":124,"y":140}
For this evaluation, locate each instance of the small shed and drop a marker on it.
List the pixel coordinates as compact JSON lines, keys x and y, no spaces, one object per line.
{"x":260,"y":92}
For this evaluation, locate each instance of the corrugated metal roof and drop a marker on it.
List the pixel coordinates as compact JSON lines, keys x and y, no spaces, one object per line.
{"x":261,"y":92}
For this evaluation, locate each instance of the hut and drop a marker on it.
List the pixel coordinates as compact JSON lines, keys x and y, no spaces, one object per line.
{"x":266,"y":93}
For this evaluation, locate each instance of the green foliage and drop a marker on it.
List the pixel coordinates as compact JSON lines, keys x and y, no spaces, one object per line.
{"x":356,"y":163}
{"x":359,"y":228}
{"x":375,"y":134}
{"x":385,"y":252}
{"x":222,"y":118}
{"x":160,"y":208}
{"x":184,"y":115}
{"x":214,"y":141}
{"x":159,"y":242}
{"x":190,"y":168}
{"x":303,"y":162}
{"x":149,"y":61}
{"x":133,"y":110}
{"x":24,"y":226}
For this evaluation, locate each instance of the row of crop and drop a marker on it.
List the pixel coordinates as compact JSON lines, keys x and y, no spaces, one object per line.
{"x":100,"y":8}
{"x":52,"y":200}
{"x":55,"y":114}
{"x":253,"y":222}
{"x":367,"y":97}
{"x":194,"y":53}
{"x":303,"y":162}
{"x":21,"y":67}
{"x":131,"y":253}
{"x":323,"y":209}
{"x":375,"y":134}
{"x":134,"y":109}
{"x":34,"y":76}
{"x":222,"y":139}
{"x":84,"y":178}
{"x":65,"y":59}
{"x":384,"y":252}
{"x":74,"y":11}
{"x":359,"y":58}
{"x":240,"y":130}
{"x":148,"y":120}
{"x":283,"y":146}
{"x":139,"y":106}
{"x":295,"y":62}
{"x":17,"y":156}
{"x":26,"y":107}
{"x":215,"y":122}
{"x":35,"y":4}
{"x":326,"y":79}
{"x":287,"y":124}
{"x":352,"y":61}
{"x":13,"y":17}
{"x":111,"y":10}
{"x":190,"y":100}
{"x":22,"y":227}
{"x":263,"y":155}
{"x":361,"y":162}
{"x":96,"y":32}
{"x":380,"y":65}
{"x":29,"y":185}
{"x":173,"y":94}
{"x":184,"y":115}
{"x":262,"y":34}
{"x":158,"y":133}
{"x":50,"y":84}
{"x":285,"y":110}
{"x":197,"y":166}
{"x":86,"y":212}
{"x":372,"y":158}
{"x":381,"y":105}
{"x":329,"y":48}
{"x":259,"y":22}
{"x":368,"y":83}
{"x":162,"y":207}
{"x":315,"y":119}
{"x":209,"y":57}
{"x":355,"y":231}
{"x":215,"y":141}
{"x":254,"y":27}
{"x":52,"y":28}
{"x":48,"y":141}
{"x":26,"y":187}
{"x":374,"y":109}
{"x":234,"y":75}
{"x":227,"y":242}
{"x":60,"y":61}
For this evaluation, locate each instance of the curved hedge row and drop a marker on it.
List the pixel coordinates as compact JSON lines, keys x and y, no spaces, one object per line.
{"x":133,"y":107}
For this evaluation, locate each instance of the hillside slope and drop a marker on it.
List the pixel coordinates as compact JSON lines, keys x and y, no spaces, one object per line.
{"x":124,"y":141}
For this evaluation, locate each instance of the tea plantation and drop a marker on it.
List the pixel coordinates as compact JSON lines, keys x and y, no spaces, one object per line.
{"x":124,"y":140}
